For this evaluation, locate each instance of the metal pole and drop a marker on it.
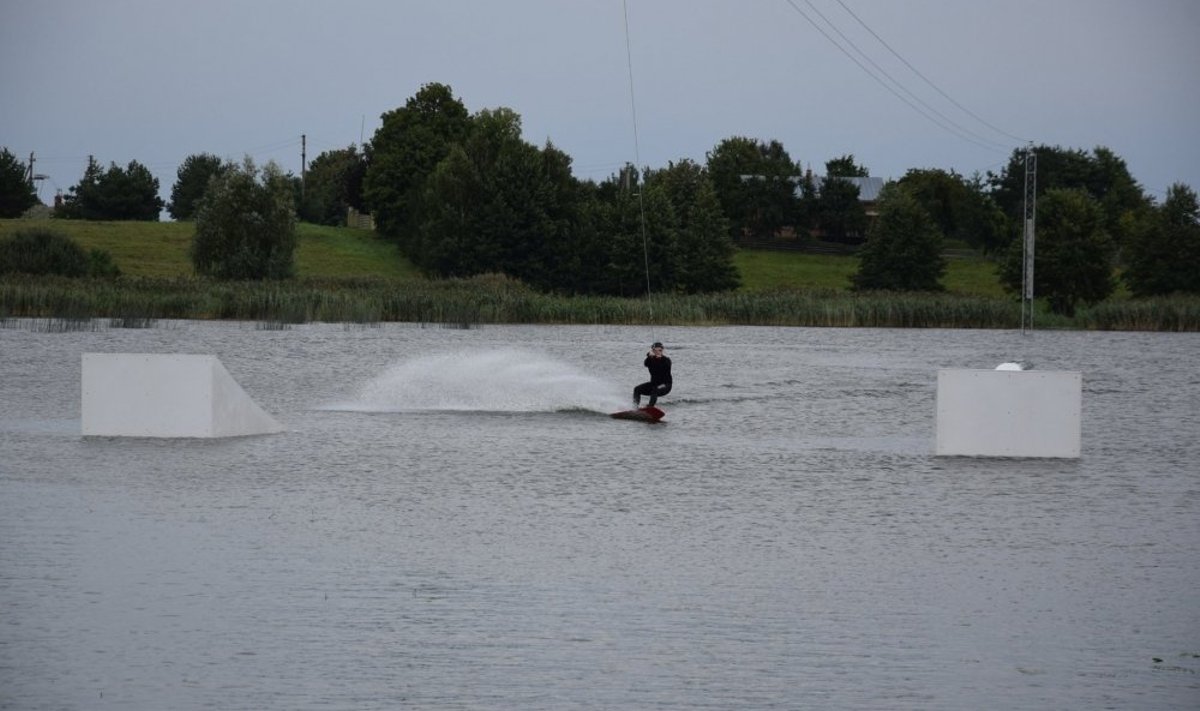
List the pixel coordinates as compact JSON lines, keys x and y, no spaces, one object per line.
{"x":1028,"y":232}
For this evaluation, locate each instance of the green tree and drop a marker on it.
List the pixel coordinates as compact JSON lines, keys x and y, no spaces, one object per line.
{"x":837,"y":210}
{"x":1073,"y":253}
{"x":642,"y":246}
{"x":807,"y":205}
{"x":961,"y":208}
{"x":191,"y":180}
{"x":704,"y":254}
{"x":840,"y":215}
{"x":129,"y":193}
{"x":1163,"y":255}
{"x":246,"y":225}
{"x":333,"y":184}
{"x":16,"y":193}
{"x":405,"y":150}
{"x":498,"y":204}
{"x":515,"y":213}
{"x":448,"y":243}
{"x":1101,"y":174}
{"x":729,"y":163}
{"x":135,"y":193}
{"x":589,"y":241}
{"x":1057,"y":168}
{"x":1120,"y":196}
{"x":904,"y":248}
{"x":625,"y":228}
{"x":82,"y":199}
{"x":845,"y":167}
{"x":563,"y":199}
{"x":982,"y":224}
{"x":755,"y":183}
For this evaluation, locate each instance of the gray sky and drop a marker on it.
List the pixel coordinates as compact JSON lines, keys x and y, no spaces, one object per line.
{"x":158,"y":80}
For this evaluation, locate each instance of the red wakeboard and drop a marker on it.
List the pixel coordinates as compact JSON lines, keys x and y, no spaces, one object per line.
{"x":641,"y":414}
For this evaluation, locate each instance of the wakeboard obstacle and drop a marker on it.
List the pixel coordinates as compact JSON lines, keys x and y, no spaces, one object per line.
{"x":166,"y":395}
{"x":1009,"y":412}
{"x":641,"y":414}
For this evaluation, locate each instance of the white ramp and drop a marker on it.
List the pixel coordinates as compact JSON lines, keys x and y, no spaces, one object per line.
{"x":166,"y":395}
{"x":1009,"y":413}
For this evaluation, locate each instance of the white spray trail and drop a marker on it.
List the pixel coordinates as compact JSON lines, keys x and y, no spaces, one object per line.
{"x":508,"y":380}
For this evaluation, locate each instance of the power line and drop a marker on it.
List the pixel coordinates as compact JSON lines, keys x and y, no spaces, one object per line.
{"x":927,"y":80}
{"x":944,"y":125}
{"x":638,"y":157}
{"x":899,"y":85}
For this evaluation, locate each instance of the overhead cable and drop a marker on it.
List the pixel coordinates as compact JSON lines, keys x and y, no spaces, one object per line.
{"x":926,"y":79}
{"x":901,"y":86}
{"x":945,"y":125}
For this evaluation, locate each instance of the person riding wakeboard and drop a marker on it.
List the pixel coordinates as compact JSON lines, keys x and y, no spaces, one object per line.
{"x":659,"y":366}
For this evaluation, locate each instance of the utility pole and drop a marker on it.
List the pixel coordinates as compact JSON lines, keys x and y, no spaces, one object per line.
{"x":303,"y":162}
{"x":1028,"y":251}
{"x":30,"y":169}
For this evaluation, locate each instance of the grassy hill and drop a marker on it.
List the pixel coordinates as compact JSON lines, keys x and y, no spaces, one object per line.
{"x":764,"y":269}
{"x":160,"y":249}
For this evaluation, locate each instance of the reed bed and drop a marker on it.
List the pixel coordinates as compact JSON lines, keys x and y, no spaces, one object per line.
{"x":141,"y":302}
{"x":1173,"y":313}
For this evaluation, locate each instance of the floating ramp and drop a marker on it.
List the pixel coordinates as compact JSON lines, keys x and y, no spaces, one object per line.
{"x":166,"y":395}
{"x":1009,"y":413}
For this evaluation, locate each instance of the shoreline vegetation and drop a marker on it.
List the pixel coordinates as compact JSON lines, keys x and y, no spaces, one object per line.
{"x":354,"y":277}
{"x":142,"y":301}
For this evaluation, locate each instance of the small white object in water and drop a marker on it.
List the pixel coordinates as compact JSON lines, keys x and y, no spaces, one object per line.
{"x":1010,"y":366}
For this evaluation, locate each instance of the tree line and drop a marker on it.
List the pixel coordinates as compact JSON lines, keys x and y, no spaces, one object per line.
{"x":463,"y":194}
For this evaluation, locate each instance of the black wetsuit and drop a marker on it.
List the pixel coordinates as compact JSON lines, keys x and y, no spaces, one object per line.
{"x":660,"y":380}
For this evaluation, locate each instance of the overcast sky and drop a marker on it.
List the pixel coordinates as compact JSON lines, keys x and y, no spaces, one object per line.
{"x":158,"y":80}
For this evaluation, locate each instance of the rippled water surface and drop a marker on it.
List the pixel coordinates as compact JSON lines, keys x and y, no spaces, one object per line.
{"x":451,"y":521}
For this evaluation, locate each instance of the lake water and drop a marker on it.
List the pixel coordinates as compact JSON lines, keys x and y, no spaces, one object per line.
{"x":450,"y":521}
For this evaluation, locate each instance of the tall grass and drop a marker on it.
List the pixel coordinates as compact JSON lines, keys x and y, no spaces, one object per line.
{"x":139,"y":302}
{"x":1171,"y":313}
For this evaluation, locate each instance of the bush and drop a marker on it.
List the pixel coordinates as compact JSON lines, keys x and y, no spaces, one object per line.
{"x":45,"y":252}
{"x":40,"y":251}
{"x":101,"y":264}
{"x":246,"y":227}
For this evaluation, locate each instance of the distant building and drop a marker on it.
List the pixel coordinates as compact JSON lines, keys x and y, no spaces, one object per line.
{"x":40,"y":211}
{"x":869,"y":188}
{"x":361,"y":220}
